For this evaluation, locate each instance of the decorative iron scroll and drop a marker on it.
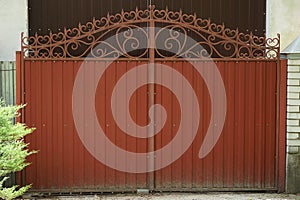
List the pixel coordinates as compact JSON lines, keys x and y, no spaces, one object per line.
{"x":115,"y":35}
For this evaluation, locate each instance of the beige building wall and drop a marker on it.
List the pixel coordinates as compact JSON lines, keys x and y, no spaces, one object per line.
{"x":13,"y":15}
{"x":283,"y":16}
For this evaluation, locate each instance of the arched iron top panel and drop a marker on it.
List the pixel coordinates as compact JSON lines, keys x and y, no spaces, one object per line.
{"x":126,"y":35}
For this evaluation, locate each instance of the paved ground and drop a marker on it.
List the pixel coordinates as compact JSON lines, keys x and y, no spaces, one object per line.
{"x":185,"y":196}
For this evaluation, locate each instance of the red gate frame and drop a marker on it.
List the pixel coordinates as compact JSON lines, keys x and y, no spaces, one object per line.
{"x":281,"y":87}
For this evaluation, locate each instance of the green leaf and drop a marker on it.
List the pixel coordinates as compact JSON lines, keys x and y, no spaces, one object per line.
{"x":13,"y":149}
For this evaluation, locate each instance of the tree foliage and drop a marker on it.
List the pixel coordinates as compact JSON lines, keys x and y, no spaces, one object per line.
{"x":13,"y":149}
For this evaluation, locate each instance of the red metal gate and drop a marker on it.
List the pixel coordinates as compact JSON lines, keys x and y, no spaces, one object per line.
{"x":247,"y":155}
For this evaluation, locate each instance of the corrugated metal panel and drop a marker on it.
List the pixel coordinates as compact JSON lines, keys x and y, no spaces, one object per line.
{"x":62,"y":160}
{"x":7,"y":93}
{"x":244,"y":157}
{"x":8,"y":81}
{"x":54,"y":15}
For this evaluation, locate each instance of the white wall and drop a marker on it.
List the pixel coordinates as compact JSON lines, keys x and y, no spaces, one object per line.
{"x":283,"y":16}
{"x":293,"y":106}
{"x":293,"y":127}
{"x":13,"y":15}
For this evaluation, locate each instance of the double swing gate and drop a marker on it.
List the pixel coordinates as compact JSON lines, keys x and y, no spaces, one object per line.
{"x":152,"y":99}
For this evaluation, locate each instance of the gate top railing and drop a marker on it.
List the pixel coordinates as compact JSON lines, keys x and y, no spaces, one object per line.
{"x":125,"y":35}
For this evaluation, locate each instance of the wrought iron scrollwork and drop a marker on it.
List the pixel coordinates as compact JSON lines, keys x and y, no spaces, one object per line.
{"x":94,"y":39}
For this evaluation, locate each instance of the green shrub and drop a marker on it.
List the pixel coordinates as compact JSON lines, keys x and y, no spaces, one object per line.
{"x":13,"y":149}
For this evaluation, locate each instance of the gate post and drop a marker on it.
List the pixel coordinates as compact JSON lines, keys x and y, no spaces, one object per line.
{"x":282,"y":125}
{"x":19,"y":175}
{"x":18,"y":79}
{"x":292,"y":54}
